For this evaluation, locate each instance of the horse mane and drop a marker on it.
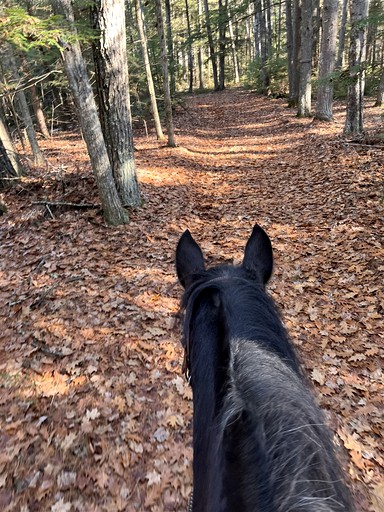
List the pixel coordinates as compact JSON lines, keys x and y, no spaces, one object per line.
{"x":257,"y":417}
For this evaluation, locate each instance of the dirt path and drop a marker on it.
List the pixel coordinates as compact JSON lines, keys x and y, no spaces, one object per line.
{"x":95,"y":415}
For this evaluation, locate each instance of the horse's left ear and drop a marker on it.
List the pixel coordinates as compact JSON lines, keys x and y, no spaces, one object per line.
{"x":189,"y":259}
{"x":258,"y":256}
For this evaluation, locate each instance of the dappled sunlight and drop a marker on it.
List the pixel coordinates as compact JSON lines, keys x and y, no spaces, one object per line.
{"x":91,"y":354}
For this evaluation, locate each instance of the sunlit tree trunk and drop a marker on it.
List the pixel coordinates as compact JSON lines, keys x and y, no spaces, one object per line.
{"x":327,"y":61}
{"x":164,"y":65}
{"x":357,"y":53}
{"x":151,"y":87}
{"x":80,"y":86}
{"x":234,"y":53}
{"x":305,"y":87}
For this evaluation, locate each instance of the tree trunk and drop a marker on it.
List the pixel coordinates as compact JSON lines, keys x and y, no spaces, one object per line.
{"x":263,"y":38}
{"x":223,"y":20}
{"x":296,"y":51}
{"x":380,"y":92}
{"x":10,"y":166}
{"x":316,"y":24}
{"x":39,"y":114}
{"x":305,"y":88}
{"x":343,"y":27}
{"x":151,"y":87}
{"x":200,"y":50}
{"x":211,"y":45}
{"x":235,"y":60}
{"x":327,"y":61}
{"x":114,"y":213}
{"x":357,"y":51}
{"x":164,"y":65}
{"x":170,"y":49}
{"x":21,"y":101}
{"x":290,"y":53}
{"x":113,"y":93}
{"x":190,"y":57}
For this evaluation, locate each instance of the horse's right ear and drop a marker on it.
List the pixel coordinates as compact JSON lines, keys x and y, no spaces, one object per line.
{"x":258,"y":256}
{"x":189,"y":259}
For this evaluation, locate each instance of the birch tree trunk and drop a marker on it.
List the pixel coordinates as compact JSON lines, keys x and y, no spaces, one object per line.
{"x":357,"y":52}
{"x":151,"y":87}
{"x":305,"y":87}
{"x":324,"y":104}
{"x":114,"y":213}
{"x":164,"y":65}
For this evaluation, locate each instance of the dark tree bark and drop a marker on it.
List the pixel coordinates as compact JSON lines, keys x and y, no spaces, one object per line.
{"x":170,"y":49}
{"x":164,"y":65}
{"x":357,"y":52}
{"x":211,"y":44}
{"x":190,"y":56}
{"x":74,"y":64}
{"x":151,"y":87}
{"x":324,"y":103}
{"x":111,"y":66}
{"x":223,"y":20}
{"x":200,"y":50}
{"x":260,"y":20}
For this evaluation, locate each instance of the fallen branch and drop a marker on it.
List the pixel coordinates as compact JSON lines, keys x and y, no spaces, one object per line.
{"x":46,"y":350}
{"x":69,"y":205}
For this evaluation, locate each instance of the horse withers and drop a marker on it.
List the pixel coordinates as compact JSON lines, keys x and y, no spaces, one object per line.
{"x":260,"y":443}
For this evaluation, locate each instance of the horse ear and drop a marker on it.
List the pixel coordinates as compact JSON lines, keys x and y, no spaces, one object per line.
{"x":258,"y":256}
{"x":189,"y":259}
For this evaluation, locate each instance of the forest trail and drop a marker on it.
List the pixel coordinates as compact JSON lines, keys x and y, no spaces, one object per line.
{"x":95,"y":414}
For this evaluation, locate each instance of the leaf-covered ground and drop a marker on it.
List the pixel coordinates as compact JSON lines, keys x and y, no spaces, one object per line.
{"x":94,"y":412}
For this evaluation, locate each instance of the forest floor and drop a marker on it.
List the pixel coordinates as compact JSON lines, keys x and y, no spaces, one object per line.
{"x":95,"y":414}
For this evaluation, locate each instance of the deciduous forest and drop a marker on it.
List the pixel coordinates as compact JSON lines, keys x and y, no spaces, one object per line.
{"x":122,"y":124}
